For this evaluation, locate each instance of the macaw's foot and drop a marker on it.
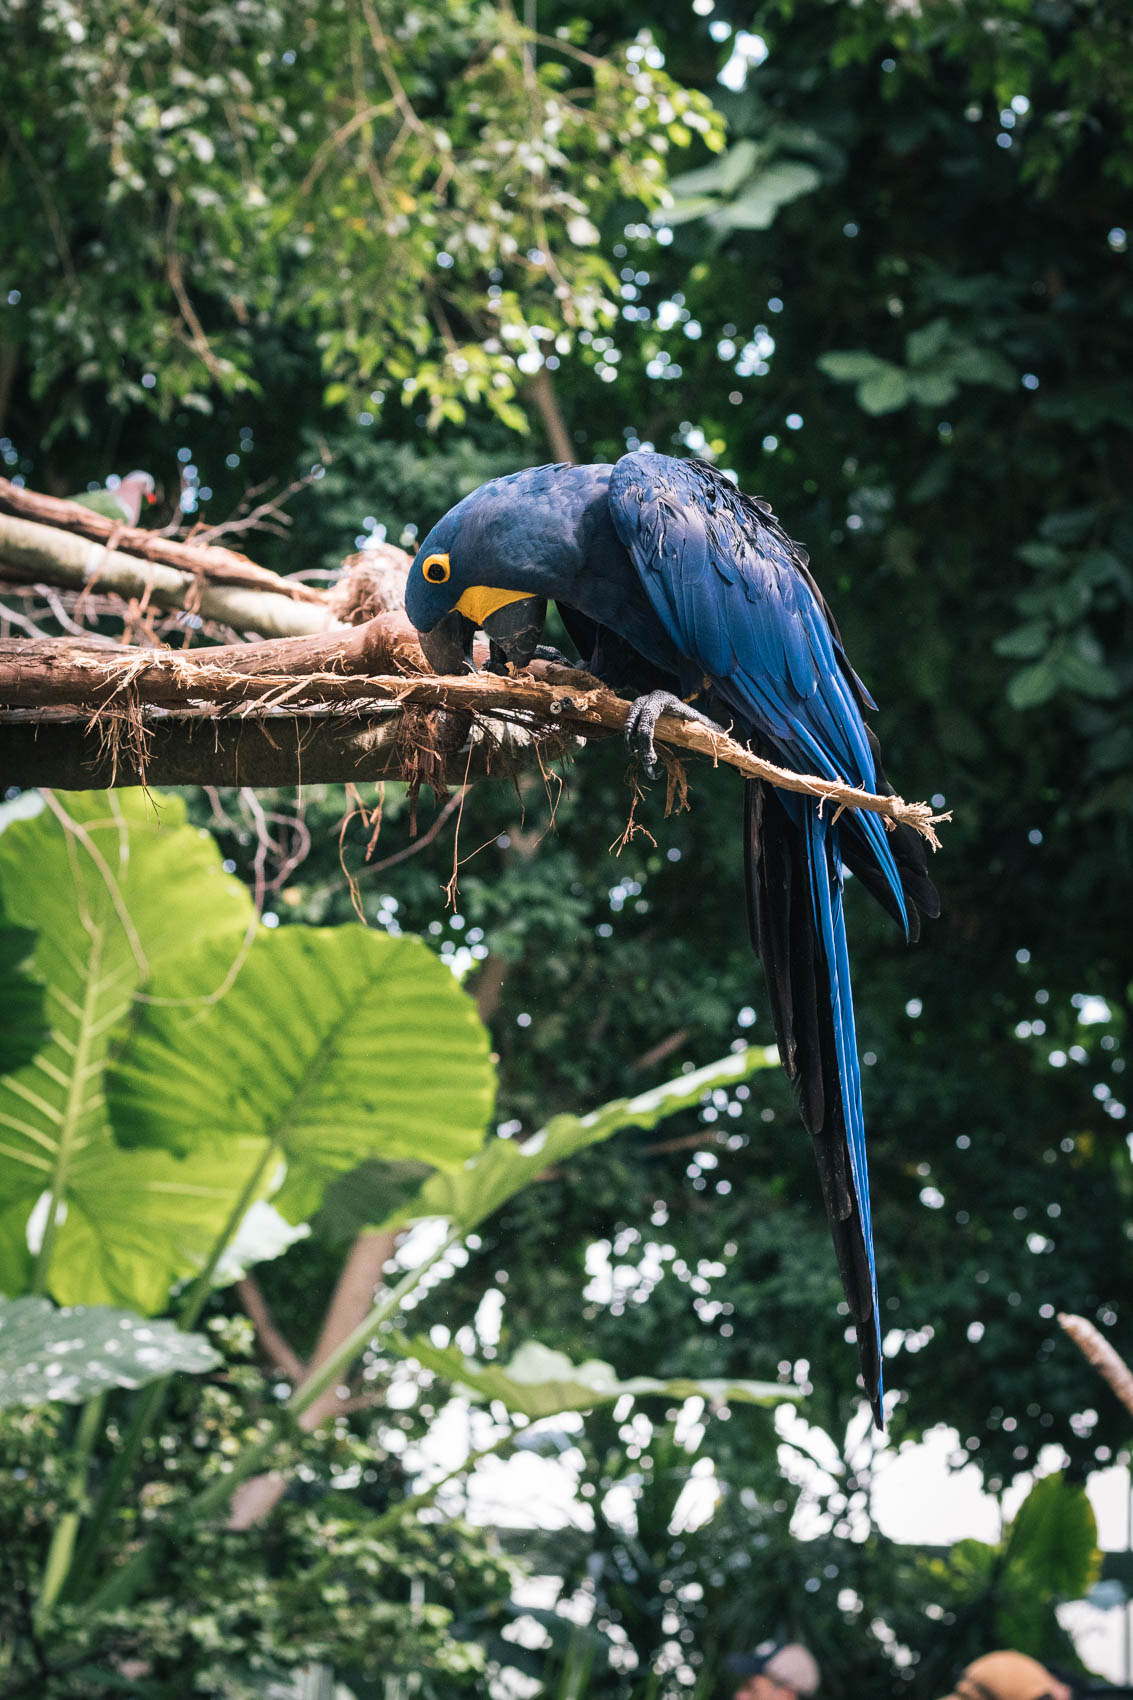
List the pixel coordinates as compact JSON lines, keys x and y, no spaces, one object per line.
{"x":642,"y":724}
{"x":548,"y":652}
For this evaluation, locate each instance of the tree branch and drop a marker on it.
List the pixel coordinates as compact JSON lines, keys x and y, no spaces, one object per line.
{"x":117,"y":690}
{"x":278,"y":1349}
{"x":1098,"y":1352}
{"x":237,"y":595}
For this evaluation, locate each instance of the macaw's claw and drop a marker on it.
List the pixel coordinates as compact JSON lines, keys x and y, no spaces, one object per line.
{"x":642,"y":724}
{"x":548,"y":652}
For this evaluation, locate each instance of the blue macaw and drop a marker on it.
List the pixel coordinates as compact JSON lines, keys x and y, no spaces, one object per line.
{"x":663,"y":570}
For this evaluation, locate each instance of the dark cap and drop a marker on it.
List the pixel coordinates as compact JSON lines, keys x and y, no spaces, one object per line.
{"x":787,"y":1663}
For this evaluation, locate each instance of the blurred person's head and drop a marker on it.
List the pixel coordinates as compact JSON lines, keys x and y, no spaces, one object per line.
{"x":775,"y":1671}
{"x":1009,"y":1676}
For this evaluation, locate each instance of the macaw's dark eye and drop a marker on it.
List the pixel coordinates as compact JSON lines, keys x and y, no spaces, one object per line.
{"x":436,"y":568}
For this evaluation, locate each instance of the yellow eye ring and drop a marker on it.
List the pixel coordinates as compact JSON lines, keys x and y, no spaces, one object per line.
{"x":436,"y":568}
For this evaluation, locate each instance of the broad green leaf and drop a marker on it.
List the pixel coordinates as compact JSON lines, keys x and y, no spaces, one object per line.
{"x":756,"y":207}
{"x":1054,"y":1538}
{"x":70,"y":1355}
{"x":116,"y":896}
{"x":885,"y":392}
{"x":504,"y":1166}
{"x":335,"y":1045}
{"x":722,"y":177}
{"x":138,"y":1221}
{"x":850,"y":365}
{"x":685,"y":208}
{"x":23,"y":1024}
{"x":539,"y":1382}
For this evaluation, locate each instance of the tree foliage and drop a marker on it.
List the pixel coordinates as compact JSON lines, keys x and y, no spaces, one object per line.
{"x":897,"y":306}
{"x":360,"y":171}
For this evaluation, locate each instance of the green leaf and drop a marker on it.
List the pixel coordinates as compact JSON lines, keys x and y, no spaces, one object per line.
{"x":375,"y":1190}
{"x":1042,"y":555}
{"x":539,"y":1382}
{"x":1025,"y":642}
{"x":722,"y":177}
{"x":24,"y":1026}
{"x":137,"y":1221}
{"x":1054,"y":1539}
{"x":1035,"y":685}
{"x":504,"y":1167}
{"x":885,"y":392}
{"x":850,"y":365}
{"x":931,"y":389}
{"x":924,"y":345}
{"x":685,"y":208}
{"x":70,"y":1355}
{"x":777,"y":186}
{"x":335,"y":1045}
{"x":115,"y":896}
{"x":974,"y":365}
{"x":1083,"y":670}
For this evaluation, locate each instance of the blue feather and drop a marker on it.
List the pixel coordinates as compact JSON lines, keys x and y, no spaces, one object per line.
{"x":733,"y":598}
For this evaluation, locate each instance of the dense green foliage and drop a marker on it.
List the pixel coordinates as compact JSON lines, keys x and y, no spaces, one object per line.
{"x":899,"y":307}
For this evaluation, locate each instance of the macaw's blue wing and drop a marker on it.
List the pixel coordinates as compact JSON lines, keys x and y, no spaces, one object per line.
{"x":736,"y":597}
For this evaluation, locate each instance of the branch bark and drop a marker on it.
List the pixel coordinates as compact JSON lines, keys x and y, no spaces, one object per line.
{"x":77,"y":561}
{"x":278,"y":1349}
{"x":89,"y":683}
{"x":207,"y":562}
{"x":359,"y":1280}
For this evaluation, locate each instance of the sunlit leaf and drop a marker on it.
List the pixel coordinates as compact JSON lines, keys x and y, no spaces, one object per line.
{"x":539,"y":1382}
{"x":335,"y":1045}
{"x":115,"y":897}
{"x":503,"y":1167}
{"x":1054,"y":1536}
{"x":756,"y":206}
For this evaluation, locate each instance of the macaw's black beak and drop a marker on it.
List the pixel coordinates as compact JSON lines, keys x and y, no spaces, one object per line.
{"x":513,"y":632}
{"x":448,"y":647}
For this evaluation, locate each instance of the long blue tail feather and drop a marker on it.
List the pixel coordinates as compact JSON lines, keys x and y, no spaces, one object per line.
{"x":826,"y":896}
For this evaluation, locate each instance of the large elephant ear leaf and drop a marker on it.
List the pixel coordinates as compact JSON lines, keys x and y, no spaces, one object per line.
{"x":540,"y":1382}
{"x":335,"y":1046}
{"x":115,"y":887}
{"x":70,"y":1355}
{"x":24,"y":1025}
{"x":504,"y":1167}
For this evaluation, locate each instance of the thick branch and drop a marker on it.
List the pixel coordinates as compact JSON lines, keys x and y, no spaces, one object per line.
{"x":47,"y":553}
{"x":204,"y":562}
{"x":86,"y":680}
{"x":359,"y":1280}
{"x":282,"y":1354}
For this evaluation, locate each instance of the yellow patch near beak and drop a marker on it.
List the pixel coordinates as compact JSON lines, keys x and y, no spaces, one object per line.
{"x":480,"y":603}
